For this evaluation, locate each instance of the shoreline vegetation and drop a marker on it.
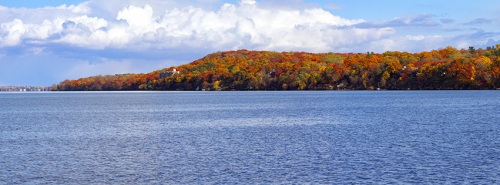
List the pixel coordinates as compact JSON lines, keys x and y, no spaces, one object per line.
{"x":242,"y":70}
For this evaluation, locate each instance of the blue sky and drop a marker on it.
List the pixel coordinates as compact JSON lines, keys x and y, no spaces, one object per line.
{"x":43,"y":42}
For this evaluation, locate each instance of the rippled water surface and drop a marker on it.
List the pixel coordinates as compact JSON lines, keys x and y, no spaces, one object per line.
{"x":250,"y":137}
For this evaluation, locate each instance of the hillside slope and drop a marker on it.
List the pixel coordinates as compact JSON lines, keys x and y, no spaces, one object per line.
{"x":447,"y":68}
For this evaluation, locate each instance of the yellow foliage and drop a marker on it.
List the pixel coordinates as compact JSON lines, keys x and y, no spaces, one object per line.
{"x":216,"y":85}
{"x":483,"y":63}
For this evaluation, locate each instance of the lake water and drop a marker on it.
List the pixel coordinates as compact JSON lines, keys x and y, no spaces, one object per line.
{"x":338,"y":137}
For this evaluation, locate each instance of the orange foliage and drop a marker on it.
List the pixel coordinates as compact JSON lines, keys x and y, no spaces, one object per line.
{"x":447,"y":68}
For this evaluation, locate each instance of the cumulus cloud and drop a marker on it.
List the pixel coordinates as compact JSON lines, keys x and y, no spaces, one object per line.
{"x":171,"y":25}
{"x":232,"y":26}
{"x":12,"y":33}
{"x":137,"y":25}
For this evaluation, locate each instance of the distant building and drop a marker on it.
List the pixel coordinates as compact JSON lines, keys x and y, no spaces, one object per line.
{"x":168,"y":73}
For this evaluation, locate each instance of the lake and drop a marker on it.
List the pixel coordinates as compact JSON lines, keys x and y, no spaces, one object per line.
{"x":325,"y":137}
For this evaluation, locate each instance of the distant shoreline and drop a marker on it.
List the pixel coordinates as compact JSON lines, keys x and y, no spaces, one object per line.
{"x":24,"y":88}
{"x":188,"y":91}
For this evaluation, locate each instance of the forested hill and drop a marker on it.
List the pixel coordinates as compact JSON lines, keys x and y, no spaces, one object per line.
{"x":447,"y":68}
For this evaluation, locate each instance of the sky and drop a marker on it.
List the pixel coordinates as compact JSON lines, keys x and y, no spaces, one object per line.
{"x":43,"y":42}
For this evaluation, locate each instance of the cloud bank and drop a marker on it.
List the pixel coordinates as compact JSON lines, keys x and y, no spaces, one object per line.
{"x":233,"y":26}
{"x":98,"y":37}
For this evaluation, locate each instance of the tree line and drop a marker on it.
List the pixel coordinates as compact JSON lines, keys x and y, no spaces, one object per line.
{"x":447,"y":68}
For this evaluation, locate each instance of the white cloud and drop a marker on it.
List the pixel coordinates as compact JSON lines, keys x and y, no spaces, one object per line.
{"x":11,"y":33}
{"x":77,"y":9}
{"x":139,"y":19}
{"x":415,"y":37}
{"x":156,"y":25}
{"x":249,"y":2}
{"x":233,"y":26}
